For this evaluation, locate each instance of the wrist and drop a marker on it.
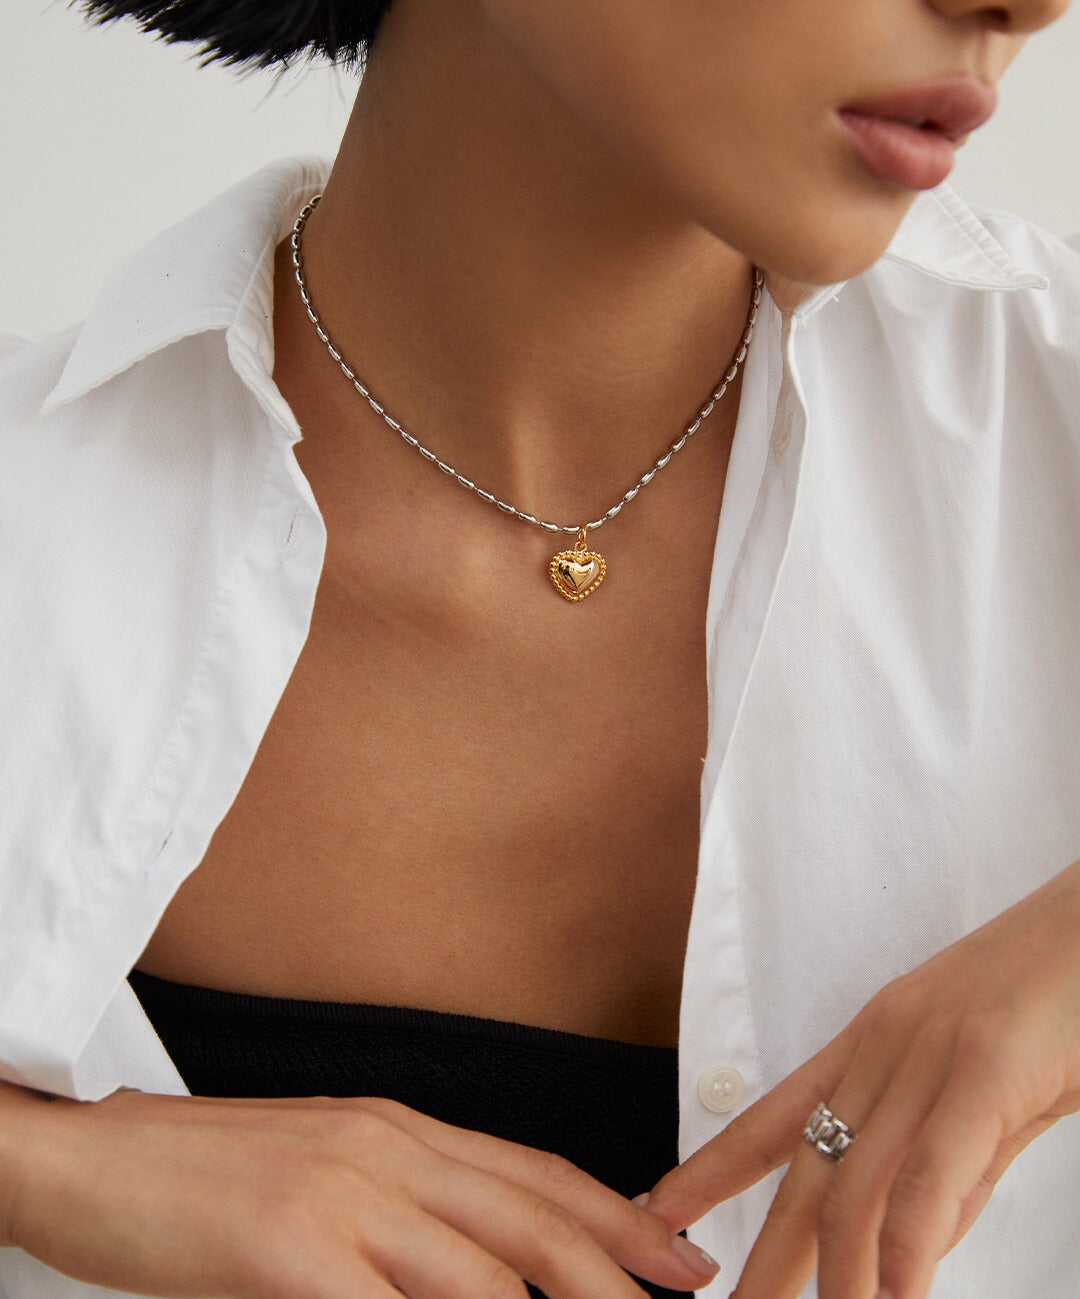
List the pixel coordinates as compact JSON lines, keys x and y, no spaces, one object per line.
{"x":24,"y":1114}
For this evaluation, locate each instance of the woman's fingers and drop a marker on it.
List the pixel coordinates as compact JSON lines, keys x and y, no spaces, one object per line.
{"x":998,"y":1078}
{"x":524,"y":1234}
{"x":953,"y":1069}
{"x":786,"y":1250}
{"x":782,"y":1259}
{"x":956,"y":1145}
{"x":984,"y":1188}
{"x":537,"y":1208}
{"x":324,"y":1198}
{"x":855,"y":1197}
{"x":475,"y":1249}
{"x":753,"y":1144}
{"x":933,"y":1134}
{"x":827,"y":1211}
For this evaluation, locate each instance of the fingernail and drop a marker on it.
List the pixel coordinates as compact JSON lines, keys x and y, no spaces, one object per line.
{"x":697,"y":1258}
{"x":641,"y":1200}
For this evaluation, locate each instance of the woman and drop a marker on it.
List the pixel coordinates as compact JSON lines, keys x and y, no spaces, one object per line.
{"x":510,"y":902}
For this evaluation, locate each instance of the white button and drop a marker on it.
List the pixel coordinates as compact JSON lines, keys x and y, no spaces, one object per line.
{"x":721,"y":1088}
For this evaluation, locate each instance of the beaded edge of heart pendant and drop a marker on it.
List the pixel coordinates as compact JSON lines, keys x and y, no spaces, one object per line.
{"x":577,"y":556}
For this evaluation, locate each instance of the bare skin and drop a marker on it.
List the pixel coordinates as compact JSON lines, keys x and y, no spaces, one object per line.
{"x":207,"y":1198}
{"x":541,"y":262}
{"x":453,"y":782}
{"x":466,"y":773}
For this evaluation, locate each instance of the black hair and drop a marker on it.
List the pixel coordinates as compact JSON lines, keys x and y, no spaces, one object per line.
{"x":256,"y":33}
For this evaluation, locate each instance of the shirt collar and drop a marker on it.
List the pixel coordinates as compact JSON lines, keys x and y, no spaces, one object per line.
{"x":214,"y":270}
{"x":942,"y":237}
{"x":211,"y":270}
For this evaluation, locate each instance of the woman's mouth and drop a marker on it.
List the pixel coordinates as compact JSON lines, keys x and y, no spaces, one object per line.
{"x":908,"y":135}
{"x":915,"y":157}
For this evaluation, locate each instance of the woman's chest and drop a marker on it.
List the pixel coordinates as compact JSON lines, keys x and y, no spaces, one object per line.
{"x":492,"y":826}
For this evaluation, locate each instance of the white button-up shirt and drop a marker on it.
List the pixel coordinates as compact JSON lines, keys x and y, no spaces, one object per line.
{"x":893,"y":657}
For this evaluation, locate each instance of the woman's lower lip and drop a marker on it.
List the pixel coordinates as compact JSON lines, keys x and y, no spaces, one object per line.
{"x":898,"y":153}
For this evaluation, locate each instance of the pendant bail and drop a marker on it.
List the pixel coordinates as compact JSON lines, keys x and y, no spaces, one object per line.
{"x":580,"y":544}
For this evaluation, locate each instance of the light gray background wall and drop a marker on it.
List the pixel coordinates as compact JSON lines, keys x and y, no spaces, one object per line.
{"x":109,"y":136}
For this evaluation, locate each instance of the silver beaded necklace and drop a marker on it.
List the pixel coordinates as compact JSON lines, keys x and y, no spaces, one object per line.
{"x":574,"y":573}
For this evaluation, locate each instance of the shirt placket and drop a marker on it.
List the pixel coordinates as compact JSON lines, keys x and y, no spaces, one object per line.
{"x":719,"y":1062}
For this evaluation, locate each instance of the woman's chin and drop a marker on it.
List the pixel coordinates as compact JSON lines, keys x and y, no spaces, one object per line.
{"x":843,"y":244}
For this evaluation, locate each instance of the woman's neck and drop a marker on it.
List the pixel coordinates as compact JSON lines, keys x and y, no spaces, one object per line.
{"x":514,"y":294}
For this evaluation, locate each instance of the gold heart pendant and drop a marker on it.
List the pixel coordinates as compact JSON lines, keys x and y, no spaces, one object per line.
{"x":577,"y":573}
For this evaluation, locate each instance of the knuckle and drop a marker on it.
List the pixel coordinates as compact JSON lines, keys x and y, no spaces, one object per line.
{"x":737,"y":1125}
{"x":501,"y":1282}
{"x":554,"y":1169}
{"x":900,"y":1253}
{"x":384,"y":1107}
{"x":838,"y":1208}
{"x":785,"y":1199}
{"x":887,"y":1013}
{"x":915,"y":1194}
{"x":970,"y":1210}
{"x":554,"y":1227}
{"x":367,"y":1130}
{"x":323,"y":1122}
{"x":368,"y":1115}
{"x":770,"y":1149}
{"x":980,"y":1042}
{"x":934,"y":1038}
{"x":917,"y":1186}
{"x":650,"y":1230}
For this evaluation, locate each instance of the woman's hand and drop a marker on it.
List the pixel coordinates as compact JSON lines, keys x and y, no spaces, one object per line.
{"x":318,"y":1198}
{"x":945,"y":1076}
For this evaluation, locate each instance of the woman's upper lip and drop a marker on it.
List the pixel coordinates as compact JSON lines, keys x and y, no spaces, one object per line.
{"x":954,"y":105}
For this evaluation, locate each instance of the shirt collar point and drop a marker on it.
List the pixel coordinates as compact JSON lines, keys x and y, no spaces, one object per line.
{"x":940,"y":236}
{"x":202,"y":273}
{"x":56,"y":397}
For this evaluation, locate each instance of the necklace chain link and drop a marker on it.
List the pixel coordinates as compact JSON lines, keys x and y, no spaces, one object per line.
{"x":677,"y":445}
